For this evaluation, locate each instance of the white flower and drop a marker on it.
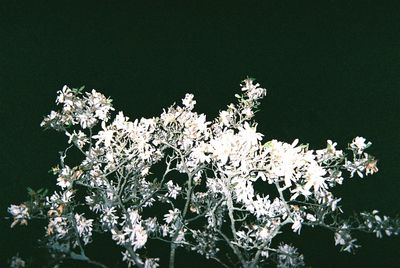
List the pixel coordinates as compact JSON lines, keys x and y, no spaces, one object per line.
{"x":225,"y":117}
{"x":64,"y":179}
{"x":118,"y":236}
{"x":173,"y":190}
{"x":253,"y":91}
{"x":127,"y":258}
{"x":181,"y":236}
{"x":343,"y":238}
{"x":84,"y":227}
{"x":296,"y":226}
{"x":289,"y":257}
{"x":164,"y":229}
{"x":17,"y":262}
{"x":188,"y":101}
{"x":248,"y":112}
{"x":200,"y":153}
{"x":105,"y":135}
{"x":137,"y":236}
{"x":133,"y":216}
{"x":264,"y":233}
{"x":356,"y":167}
{"x":244,"y":192}
{"x":151,"y":263}
{"x":63,"y":182}
{"x":57,"y":226}
{"x":108,"y":218}
{"x":359,"y":144}
{"x":223,"y":146}
{"x":67,"y":196}
{"x":249,"y":135}
{"x":171,"y":215}
{"x":86,"y":119}
{"x":285,"y":160}
{"x":79,"y":138}
{"x":260,"y":207}
{"x":65,"y":96}
{"x":121,"y":122}
{"x":167,"y":117}
{"x":20,"y":214}
{"x":299,"y":190}
{"x":315,"y":177}
{"x":100,"y":104}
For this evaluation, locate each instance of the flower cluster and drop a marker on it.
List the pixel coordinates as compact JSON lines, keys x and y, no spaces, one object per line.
{"x":85,"y":111}
{"x":84,"y":227}
{"x":222,"y":192}
{"x":20,"y":214}
{"x":289,"y":257}
{"x":17,"y":262}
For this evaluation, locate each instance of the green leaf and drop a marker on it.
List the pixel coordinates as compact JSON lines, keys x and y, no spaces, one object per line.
{"x":30,"y":191}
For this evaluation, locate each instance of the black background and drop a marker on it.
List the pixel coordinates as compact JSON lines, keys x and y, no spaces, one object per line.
{"x":331,"y":69}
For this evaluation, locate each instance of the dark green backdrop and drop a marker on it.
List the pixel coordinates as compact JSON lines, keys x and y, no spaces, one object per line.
{"x":331,"y":70}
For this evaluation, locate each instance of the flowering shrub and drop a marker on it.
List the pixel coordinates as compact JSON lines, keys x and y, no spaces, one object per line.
{"x":211,"y":187}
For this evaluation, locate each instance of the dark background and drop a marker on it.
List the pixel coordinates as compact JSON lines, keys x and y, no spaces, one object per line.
{"x":331,"y":70}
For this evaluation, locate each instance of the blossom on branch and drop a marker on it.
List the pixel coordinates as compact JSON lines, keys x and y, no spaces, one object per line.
{"x":214,"y":187}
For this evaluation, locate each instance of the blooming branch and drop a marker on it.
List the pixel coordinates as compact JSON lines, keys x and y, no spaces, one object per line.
{"x":206,"y":197}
